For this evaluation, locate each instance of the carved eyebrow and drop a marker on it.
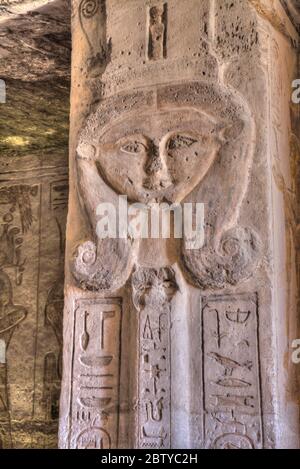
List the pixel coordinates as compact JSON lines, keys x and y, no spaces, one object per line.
{"x":179,"y":141}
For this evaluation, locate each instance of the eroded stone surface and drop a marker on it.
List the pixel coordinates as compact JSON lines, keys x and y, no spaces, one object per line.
{"x":35,"y":53}
{"x":166,"y":113}
{"x":33,"y":210}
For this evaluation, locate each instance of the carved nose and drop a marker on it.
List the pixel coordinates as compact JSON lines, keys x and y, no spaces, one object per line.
{"x":153,"y":163}
{"x":157,"y":176}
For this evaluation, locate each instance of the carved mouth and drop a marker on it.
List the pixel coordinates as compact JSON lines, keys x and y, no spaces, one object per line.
{"x":153,"y":184}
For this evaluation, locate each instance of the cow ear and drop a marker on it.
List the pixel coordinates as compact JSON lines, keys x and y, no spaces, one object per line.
{"x":86,"y":151}
{"x":230,"y":132}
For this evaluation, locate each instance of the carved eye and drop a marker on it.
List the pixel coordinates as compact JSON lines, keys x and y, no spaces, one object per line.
{"x":180,"y":141}
{"x":133,"y":147}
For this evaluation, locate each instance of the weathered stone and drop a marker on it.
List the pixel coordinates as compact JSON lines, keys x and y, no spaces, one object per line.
{"x":195,"y":338}
{"x":35,"y":64}
{"x":33,"y":210}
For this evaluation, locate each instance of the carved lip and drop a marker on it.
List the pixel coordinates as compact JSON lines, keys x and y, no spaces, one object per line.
{"x":96,"y":361}
{"x":11,"y":320}
{"x":95,"y":402}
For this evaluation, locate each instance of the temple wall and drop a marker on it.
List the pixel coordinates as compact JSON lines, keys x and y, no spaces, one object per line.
{"x":35,"y":66}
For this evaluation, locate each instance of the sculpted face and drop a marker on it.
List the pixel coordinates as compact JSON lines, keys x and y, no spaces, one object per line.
{"x":158,"y":155}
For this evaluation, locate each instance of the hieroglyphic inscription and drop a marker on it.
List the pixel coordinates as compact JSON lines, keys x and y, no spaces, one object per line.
{"x":51,"y":391}
{"x":59,"y":191}
{"x":32,"y":225}
{"x":157,"y":32}
{"x":231,"y":373}
{"x":95,"y":375}
{"x":153,"y":291}
{"x":154,"y":375}
{"x":16,"y":220}
{"x":94,"y":438}
{"x":92,"y":20}
{"x":87,"y":10}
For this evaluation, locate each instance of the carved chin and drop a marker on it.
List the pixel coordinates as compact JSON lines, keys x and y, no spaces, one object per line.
{"x":151,"y":190}
{"x":171,"y":194}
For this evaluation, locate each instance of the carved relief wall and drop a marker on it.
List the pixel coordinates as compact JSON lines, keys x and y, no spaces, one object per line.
{"x":33,"y":208}
{"x":168,"y":346}
{"x":35,"y":64}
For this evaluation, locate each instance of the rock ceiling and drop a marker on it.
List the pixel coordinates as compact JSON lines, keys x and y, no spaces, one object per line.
{"x":35,"y":49}
{"x":35,"y":65}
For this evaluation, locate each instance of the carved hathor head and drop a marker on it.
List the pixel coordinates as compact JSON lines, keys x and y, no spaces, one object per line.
{"x":191,"y":142}
{"x":159,"y":143}
{"x":168,"y":129}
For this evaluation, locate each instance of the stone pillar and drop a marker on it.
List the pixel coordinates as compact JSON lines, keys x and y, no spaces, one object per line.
{"x":168,"y":344}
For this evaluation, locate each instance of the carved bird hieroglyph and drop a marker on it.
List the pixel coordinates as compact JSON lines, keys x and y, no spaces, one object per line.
{"x":229,"y":364}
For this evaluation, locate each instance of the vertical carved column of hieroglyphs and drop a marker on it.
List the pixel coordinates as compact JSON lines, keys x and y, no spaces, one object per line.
{"x":169,"y":105}
{"x":231,"y":372}
{"x":153,"y":291}
{"x":50,"y":300}
{"x":95,"y":374}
